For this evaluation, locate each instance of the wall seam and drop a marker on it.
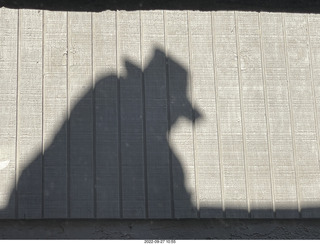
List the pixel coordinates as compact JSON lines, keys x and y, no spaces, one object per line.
{"x":216,"y":91}
{"x":191,"y":88}
{"x":291,"y":113}
{"x":244,"y":145}
{"x":265,"y":93}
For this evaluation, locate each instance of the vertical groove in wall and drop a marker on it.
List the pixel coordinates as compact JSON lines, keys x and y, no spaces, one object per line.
{"x":17,"y":119}
{"x":119,"y":116}
{"x":313,"y":89}
{"x":68,"y":122}
{"x":291,"y":113}
{"x":144,"y":122}
{"x":218,"y":101}
{"x":168,"y":116}
{"x":43,"y":117}
{"x":216,"y":93}
{"x":242,"y":116}
{"x":265,"y":93}
{"x":191,"y":88}
{"x":94,"y":161}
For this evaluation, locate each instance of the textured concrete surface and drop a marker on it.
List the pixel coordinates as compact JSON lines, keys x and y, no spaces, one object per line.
{"x":161,"y":229}
{"x":159,"y":114}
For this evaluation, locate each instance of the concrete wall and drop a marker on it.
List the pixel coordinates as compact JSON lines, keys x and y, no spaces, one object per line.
{"x":159,"y":114}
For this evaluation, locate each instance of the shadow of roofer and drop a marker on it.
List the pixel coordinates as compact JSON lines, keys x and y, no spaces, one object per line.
{"x":112,"y":158}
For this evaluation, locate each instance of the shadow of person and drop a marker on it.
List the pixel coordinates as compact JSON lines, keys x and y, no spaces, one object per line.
{"x":112,"y":157}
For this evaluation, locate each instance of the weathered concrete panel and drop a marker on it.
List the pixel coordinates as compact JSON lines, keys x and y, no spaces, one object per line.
{"x":132,"y":117}
{"x":8,"y":106}
{"x":80,"y":97}
{"x":55,"y":115}
{"x":252,"y":95}
{"x":30,"y":112}
{"x":107,"y":185}
{"x":206,"y":131}
{"x":181,"y":115}
{"x":277,"y":102}
{"x":159,"y":114}
{"x":157,"y":162}
{"x":233,"y":170}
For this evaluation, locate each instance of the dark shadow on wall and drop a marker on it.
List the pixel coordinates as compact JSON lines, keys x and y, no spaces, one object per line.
{"x":298,"y":6}
{"x":111,"y":158}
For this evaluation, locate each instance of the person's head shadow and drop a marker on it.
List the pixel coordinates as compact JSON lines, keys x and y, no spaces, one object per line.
{"x":150,"y":101}
{"x":112,"y":157}
{"x":172,"y":82}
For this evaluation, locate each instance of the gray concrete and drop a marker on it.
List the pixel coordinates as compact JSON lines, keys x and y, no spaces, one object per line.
{"x":222,"y":229}
{"x":159,"y":114}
